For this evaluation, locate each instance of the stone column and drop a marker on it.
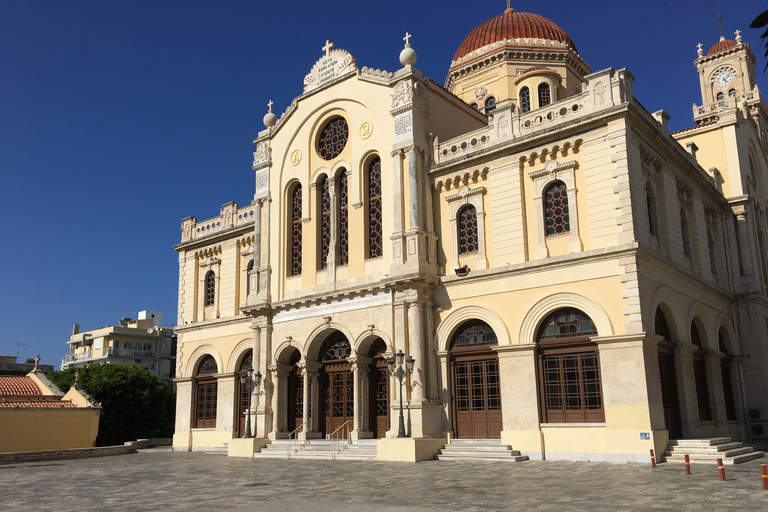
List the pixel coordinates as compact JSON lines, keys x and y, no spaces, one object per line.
{"x":315,"y":418}
{"x":305,"y":400}
{"x":686,"y":385}
{"x":265,"y":242}
{"x":541,"y":233}
{"x":360,"y":402}
{"x":416,"y":338}
{"x":413,"y":189}
{"x":397,"y":190}
{"x":256,"y":235}
{"x":716,"y":393}
{"x":255,"y":345}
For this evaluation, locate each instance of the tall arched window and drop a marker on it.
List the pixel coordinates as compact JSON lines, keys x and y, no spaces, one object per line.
{"x":325,"y":221}
{"x":210,"y":288}
{"x":685,"y":232}
{"x":569,"y":369}
{"x":545,"y":98}
{"x":732,"y":93}
{"x":650,"y":200}
{"x":375,"y":231}
{"x":243,"y":394}
{"x":295,"y":247}
{"x":206,"y":393}
{"x":467,"y":223}
{"x":720,"y":96}
{"x":525,"y":100}
{"x":725,"y":373}
{"x":556,"y":216}
{"x":700,"y":376}
{"x":712,"y":253}
{"x":343,"y":219}
{"x":248,"y":277}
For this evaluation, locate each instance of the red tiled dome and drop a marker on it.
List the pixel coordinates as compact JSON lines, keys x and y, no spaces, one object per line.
{"x":512,"y":25}
{"x":721,"y":45}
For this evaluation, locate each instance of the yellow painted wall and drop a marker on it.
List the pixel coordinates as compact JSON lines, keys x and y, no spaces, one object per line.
{"x":47,"y":429}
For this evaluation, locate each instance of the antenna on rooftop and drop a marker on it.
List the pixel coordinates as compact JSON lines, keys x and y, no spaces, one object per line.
{"x":18,"y":346}
{"x":720,"y":21}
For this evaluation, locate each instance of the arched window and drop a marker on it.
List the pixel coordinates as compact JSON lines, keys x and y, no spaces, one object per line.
{"x":545,"y":98}
{"x":210,"y":288}
{"x":474,"y":333}
{"x":700,"y":376}
{"x":650,"y":200}
{"x":343,"y":219}
{"x":569,"y":369}
{"x":556,"y":209}
{"x":661,"y":325}
{"x":336,"y":348}
{"x":467,"y":221}
{"x":720,"y":96}
{"x":248,"y":270}
{"x":127,"y":345}
{"x":325,"y":221}
{"x":473,"y":105}
{"x":243,"y":398}
{"x":732,"y":93}
{"x":685,"y":232}
{"x":206,"y":393}
{"x":525,"y":100}
{"x":375,"y":231}
{"x":295,"y":248}
{"x":490,"y":104}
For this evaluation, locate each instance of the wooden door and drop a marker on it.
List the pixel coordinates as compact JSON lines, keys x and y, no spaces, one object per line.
{"x":476,"y":396}
{"x":669,"y":396}
{"x":338,"y":386}
{"x":379,"y":397}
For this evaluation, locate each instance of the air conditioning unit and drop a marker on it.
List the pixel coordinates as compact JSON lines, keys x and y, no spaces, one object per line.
{"x":758,"y":429}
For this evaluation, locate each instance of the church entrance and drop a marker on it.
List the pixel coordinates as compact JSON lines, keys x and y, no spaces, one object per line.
{"x":669,"y":396}
{"x":378,"y":400}
{"x":295,"y":393}
{"x":242,"y":394}
{"x":336,"y":384}
{"x":476,"y":390}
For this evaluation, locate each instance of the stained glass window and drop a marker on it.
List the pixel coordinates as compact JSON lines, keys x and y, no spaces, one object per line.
{"x":375,"y":245}
{"x":333,"y":138}
{"x":296,"y":232}
{"x":545,"y":98}
{"x":210,"y":288}
{"x":207,"y":366}
{"x":475,"y":334}
{"x":566,"y":323}
{"x":325,"y":221}
{"x":525,"y":100}
{"x":557,"y":218}
{"x":335,"y":348}
{"x":343,"y":220}
{"x":490,"y":105}
{"x":467,"y":221}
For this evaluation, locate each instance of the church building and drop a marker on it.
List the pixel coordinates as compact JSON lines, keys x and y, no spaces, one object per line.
{"x":564,"y":275}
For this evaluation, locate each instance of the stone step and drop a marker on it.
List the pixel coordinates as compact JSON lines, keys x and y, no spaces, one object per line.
{"x":712,"y":459}
{"x":479,"y":447}
{"x":470,"y":453}
{"x":496,"y":442}
{"x":699,"y":442}
{"x":514,"y":458}
{"x":719,"y":449}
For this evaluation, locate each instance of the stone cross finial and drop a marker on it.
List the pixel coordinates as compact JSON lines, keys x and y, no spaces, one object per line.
{"x":698,"y":46}
{"x":699,"y":50}
{"x":37,"y":362}
{"x":738,"y":36}
{"x":407,"y":40}
{"x":270,"y":105}
{"x":327,"y":48}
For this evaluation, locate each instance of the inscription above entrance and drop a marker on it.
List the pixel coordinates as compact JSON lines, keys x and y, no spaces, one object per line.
{"x":333,"y":64}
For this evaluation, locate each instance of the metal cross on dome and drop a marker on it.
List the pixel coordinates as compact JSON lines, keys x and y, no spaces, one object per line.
{"x":327,"y":48}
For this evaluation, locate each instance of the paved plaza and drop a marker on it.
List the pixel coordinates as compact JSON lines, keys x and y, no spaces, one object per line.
{"x":195,"y":481}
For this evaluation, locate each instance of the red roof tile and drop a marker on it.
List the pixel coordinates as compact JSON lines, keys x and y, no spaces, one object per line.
{"x":721,"y":45}
{"x":18,"y":385}
{"x":47,"y":404}
{"x":512,"y":25}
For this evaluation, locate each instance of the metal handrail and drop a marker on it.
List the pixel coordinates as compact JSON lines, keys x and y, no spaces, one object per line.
{"x":295,"y":431}
{"x":333,"y":439}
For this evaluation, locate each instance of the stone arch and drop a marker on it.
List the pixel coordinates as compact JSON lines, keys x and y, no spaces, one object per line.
{"x":663,"y":298}
{"x":233,"y":364}
{"x":696,"y":314}
{"x":363,"y":343}
{"x":316,"y":338}
{"x":550,"y":303}
{"x":448,"y":327}
{"x":324,"y":169}
{"x":197,"y":356}
{"x":724,"y":323}
{"x":283,"y":351}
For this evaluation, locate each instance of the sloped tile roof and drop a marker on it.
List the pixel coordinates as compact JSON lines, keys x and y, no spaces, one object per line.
{"x":15,"y":385}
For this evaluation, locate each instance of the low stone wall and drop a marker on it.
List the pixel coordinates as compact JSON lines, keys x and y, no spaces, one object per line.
{"x":82,"y":453}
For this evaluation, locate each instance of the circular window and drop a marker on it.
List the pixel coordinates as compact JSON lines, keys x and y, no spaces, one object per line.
{"x":333,"y":138}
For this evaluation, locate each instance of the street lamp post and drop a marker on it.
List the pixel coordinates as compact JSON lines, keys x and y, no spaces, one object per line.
{"x":400,"y":373}
{"x":249,"y":381}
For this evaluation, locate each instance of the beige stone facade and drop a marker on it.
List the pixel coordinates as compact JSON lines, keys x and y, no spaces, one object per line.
{"x":567,"y":275}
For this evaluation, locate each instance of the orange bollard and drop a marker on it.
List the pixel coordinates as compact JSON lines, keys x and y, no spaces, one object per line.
{"x":653,"y":460}
{"x":764,"y":471}
{"x":687,"y":465}
{"x":721,"y":468}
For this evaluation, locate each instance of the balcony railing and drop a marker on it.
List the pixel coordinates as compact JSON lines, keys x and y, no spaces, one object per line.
{"x":88,"y":354}
{"x":130,"y":352}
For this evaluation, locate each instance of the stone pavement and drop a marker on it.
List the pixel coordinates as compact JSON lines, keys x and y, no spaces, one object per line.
{"x":170,"y":481}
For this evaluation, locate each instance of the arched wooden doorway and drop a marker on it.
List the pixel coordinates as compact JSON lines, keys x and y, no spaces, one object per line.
{"x":336,"y":384}
{"x":242,"y":393}
{"x":295,"y":393}
{"x":668,"y":377}
{"x":476,"y":392}
{"x":378,"y":399}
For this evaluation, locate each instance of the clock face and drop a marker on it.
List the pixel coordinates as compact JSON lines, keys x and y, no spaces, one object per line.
{"x":724,"y":78}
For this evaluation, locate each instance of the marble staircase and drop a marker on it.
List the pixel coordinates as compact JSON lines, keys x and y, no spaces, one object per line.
{"x":479,"y":449}
{"x":218,"y":450}
{"x":707,"y":451}
{"x":363,"y":449}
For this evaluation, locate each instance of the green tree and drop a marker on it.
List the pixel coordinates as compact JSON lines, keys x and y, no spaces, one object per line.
{"x":135,"y":403}
{"x":760,"y":22}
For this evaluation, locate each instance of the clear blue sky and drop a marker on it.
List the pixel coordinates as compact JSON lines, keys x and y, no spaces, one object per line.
{"x":120,"y":118}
